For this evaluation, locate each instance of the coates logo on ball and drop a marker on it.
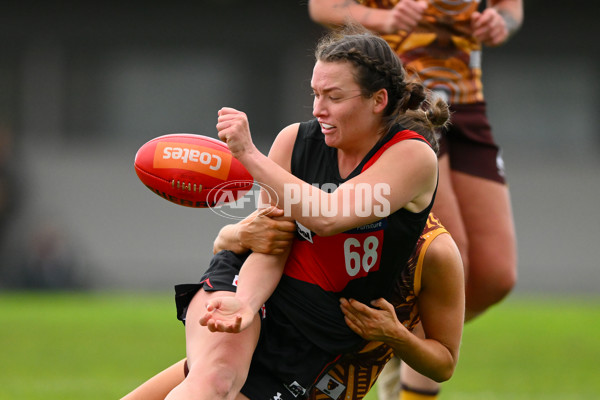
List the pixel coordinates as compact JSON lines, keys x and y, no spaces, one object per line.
{"x":192,"y":170}
{"x":193,"y":158}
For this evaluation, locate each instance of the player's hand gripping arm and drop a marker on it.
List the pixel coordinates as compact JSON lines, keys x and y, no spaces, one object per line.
{"x":404,"y":16}
{"x":263,"y":231}
{"x":498,"y":22}
{"x":441,"y":305}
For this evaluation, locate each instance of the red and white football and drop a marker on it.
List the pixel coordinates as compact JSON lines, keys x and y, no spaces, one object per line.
{"x":192,"y":170}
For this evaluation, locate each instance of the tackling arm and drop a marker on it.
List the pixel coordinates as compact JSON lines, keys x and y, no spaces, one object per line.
{"x":441,"y":305}
{"x":263,"y":231}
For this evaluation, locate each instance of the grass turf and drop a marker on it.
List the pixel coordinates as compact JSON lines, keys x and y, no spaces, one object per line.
{"x":101,"y":345}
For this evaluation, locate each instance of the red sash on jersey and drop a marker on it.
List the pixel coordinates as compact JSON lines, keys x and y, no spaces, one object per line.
{"x":398,"y":137}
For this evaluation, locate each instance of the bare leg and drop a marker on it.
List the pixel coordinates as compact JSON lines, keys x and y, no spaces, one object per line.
{"x":447,"y":209}
{"x":218,"y":362}
{"x":478,"y":214}
{"x":159,"y":386}
{"x":492,"y":254}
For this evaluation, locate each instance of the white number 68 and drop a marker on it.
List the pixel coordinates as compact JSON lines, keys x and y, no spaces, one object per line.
{"x":352,"y":257}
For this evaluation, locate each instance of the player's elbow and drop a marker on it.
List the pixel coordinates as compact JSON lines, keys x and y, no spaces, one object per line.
{"x":441,"y":373}
{"x":444,"y":374}
{"x":326,"y":227}
{"x":445,"y":370}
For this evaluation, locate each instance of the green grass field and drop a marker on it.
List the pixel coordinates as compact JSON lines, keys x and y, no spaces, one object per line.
{"x":101,"y":345}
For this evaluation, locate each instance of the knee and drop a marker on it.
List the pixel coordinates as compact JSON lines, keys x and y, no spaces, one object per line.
{"x":501,"y":281}
{"x":213,"y":382}
{"x":486,"y":290}
{"x":507,"y":282}
{"x":223,"y":384}
{"x":499,"y":289}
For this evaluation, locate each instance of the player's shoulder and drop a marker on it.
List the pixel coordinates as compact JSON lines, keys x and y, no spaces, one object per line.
{"x":289,"y":132}
{"x":442,"y":250}
{"x":286,"y":137}
{"x":442,"y":263}
{"x":413,"y":149}
{"x":283,"y":145}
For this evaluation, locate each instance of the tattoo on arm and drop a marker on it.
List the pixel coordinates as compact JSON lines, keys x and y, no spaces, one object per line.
{"x":511,"y":23}
{"x":346,"y":4}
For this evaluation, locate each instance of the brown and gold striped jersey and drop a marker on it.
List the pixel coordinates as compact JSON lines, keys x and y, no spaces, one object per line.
{"x":441,"y":49}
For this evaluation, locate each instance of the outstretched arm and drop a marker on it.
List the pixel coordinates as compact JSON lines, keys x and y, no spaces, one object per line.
{"x":260,"y":273}
{"x":257,"y":280}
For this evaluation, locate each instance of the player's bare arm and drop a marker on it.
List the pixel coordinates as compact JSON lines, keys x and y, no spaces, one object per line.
{"x":412,"y":186}
{"x":331,"y":13}
{"x":441,"y":305}
{"x":261,"y":272}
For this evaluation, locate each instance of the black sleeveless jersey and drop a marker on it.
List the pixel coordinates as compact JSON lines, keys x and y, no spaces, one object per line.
{"x":362,"y":263}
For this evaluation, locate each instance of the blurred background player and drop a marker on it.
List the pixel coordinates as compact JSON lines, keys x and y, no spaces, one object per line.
{"x":441,"y":41}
